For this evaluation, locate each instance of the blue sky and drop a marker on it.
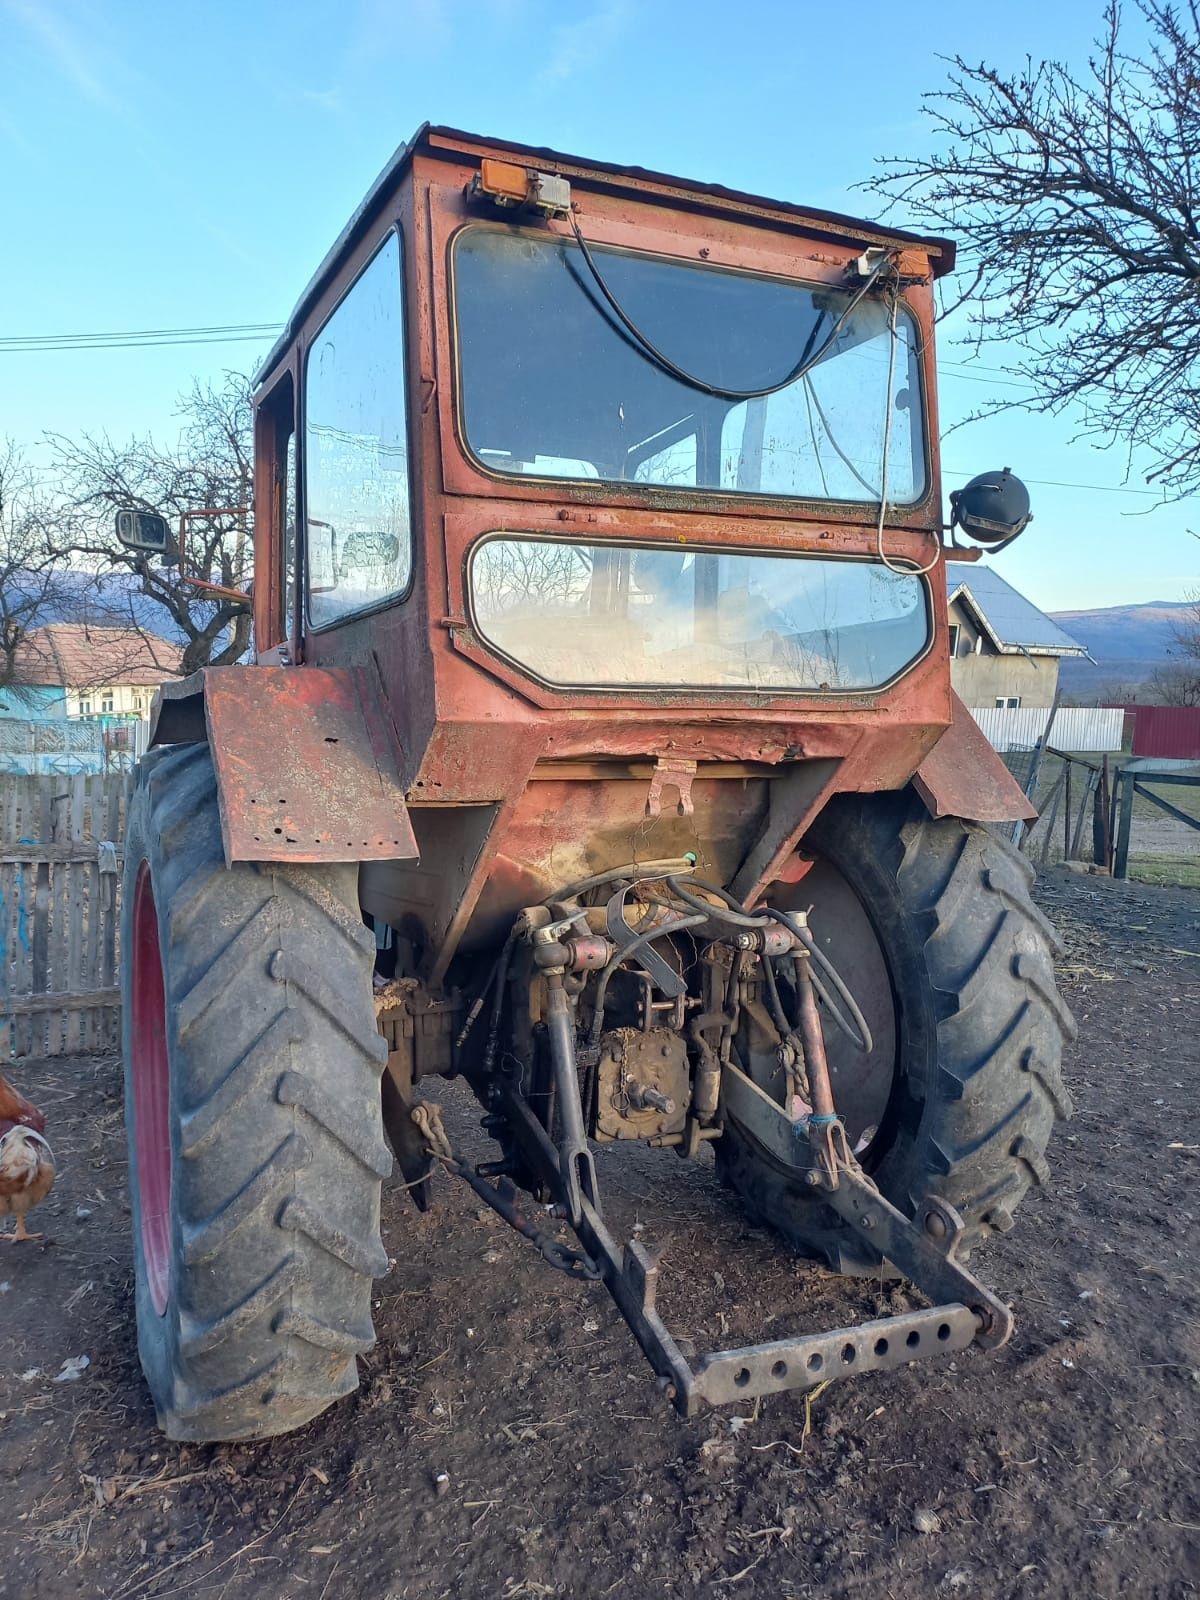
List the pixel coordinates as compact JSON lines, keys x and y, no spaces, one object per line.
{"x":182,"y":166}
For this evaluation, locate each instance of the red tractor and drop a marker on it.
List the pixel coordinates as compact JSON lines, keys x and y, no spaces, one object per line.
{"x":599,"y":748}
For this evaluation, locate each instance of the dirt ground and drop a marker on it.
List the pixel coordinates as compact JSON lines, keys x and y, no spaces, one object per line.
{"x":1063,"y":1464}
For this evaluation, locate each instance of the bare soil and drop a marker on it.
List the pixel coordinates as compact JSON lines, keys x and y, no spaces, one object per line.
{"x":1065,"y":1463}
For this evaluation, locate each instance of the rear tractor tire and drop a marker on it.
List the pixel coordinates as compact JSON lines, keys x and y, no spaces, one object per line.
{"x":256,"y":1151}
{"x":973,"y":1031}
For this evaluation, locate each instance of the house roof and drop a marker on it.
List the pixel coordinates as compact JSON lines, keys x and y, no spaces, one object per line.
{"x":77,"y":655}
{"x":1014,"y":624}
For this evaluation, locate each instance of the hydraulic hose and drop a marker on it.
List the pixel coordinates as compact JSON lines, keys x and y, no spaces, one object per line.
{"x":499,"y":978}
{"x":835,"y":1014}
{"x":631,"y":869}
{"x":864,"y":1041}
{"x":774,"y":1003}
{"x":623,"y":955}
{"x":731,"y":910}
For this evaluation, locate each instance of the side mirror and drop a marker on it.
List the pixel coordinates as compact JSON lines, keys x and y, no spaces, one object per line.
{"x":146,"y":530}
{"x":993,"y":509}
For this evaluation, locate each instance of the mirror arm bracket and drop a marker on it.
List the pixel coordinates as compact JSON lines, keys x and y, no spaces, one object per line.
{"x":219,"y":590}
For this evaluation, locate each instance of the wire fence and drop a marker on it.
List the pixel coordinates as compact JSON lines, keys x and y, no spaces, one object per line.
{"x":1081,"y":799}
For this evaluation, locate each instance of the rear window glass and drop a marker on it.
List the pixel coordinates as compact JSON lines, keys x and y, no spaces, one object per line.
{"x":552,"y":386}
{"x":617,"y":615}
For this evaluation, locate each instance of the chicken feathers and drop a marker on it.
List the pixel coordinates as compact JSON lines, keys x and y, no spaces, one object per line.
{"x":27,"y":1174}
{"x":16,"y":1111}
{"x":27,"y":1170}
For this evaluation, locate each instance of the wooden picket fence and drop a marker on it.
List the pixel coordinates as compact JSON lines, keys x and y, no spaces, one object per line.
{"x":60,"y":872}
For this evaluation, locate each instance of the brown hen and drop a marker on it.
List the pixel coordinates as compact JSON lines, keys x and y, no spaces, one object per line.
{"x":27,"y":1168}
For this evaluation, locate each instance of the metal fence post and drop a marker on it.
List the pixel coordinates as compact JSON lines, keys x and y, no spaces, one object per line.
{"x":1089,"y":789}
{"x":1102,"y":820}
{"x":1019,"y":833}
{"x":1125,"y":802}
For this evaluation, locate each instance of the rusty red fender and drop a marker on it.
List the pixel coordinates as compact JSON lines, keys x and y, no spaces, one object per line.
{"x":308,"y":764}
{"x":962,"y":776}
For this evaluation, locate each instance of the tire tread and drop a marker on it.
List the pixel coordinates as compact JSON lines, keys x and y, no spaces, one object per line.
{"x":276,"y":1060}
{"x":984,"y":1001}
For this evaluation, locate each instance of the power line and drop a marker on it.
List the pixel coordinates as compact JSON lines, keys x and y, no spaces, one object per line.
{"x":1054,"y":483}
{"x":139,"y":333}
{"x":234,"y":333}
{"x":958,"y":375}
{"x":143,"y":344}
{"x":247,"y":332}
{"x":138,"y":339}
{"x":74,"y":340}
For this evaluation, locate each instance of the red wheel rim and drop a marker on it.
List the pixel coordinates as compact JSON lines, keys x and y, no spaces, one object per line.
{"x":151,"y":1093}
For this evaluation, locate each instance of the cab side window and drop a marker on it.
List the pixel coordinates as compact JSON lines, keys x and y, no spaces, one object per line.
{"x":288,"y":541}
{"x":358,"y":534}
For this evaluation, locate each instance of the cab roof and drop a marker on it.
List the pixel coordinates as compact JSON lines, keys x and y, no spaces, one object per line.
{"x":452,"y":143}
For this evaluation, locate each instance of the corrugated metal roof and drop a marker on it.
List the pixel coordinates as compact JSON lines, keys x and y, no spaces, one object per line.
{"x":1014,"y":623}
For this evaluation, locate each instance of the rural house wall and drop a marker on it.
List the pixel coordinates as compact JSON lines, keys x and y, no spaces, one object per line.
{"x":981,"y":674}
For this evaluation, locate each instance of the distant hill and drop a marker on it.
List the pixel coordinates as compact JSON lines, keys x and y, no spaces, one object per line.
{"x":115,"y":600}
{"x":110,"y":599}
{"x":1128,"y":643}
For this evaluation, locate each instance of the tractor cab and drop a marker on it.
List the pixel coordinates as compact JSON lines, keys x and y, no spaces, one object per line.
{"x":590,"y":337}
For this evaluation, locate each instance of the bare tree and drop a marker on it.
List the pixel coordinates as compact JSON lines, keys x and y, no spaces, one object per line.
{"x":1076,"y":201}
{"x":209,"y":468}
{"x":1112,"y":692}
{"x":1178,"y":682}
{"x":31,"y":575}
{"x":1187,"y":630}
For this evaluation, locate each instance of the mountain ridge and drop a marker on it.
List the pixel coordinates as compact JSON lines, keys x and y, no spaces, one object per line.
{"x":1128,"y":644}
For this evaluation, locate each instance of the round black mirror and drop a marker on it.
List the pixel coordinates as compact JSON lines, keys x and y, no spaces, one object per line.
{"x":993,"y":508}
